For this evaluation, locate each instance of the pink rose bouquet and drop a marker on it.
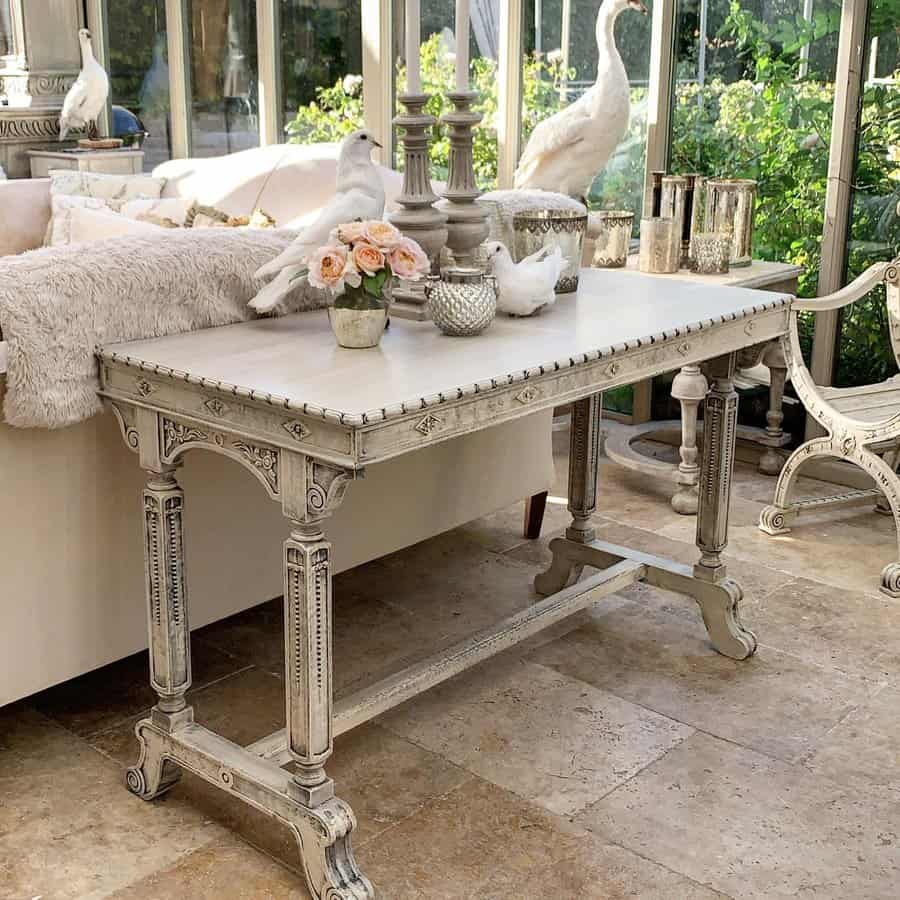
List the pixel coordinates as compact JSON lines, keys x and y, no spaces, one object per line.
{"x":357,"y":266}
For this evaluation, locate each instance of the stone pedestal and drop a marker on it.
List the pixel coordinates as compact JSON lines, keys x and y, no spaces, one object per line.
{"x":34,"y":77}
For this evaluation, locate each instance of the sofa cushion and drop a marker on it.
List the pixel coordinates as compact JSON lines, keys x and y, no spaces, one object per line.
{"x":104,"y":187}
{"x":78,"y":225}
{"x":24,"y":214}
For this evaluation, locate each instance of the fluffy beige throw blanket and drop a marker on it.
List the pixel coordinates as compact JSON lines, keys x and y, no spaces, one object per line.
{"x":59,"y":303}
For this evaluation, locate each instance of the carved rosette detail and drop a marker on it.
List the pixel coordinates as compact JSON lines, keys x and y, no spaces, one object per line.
{"x":296,"y":429}
{"x":529,"y":394}
{"x":175,"y":434}
{"x":216,"y":406}
{"x":144,"y":387}
{"x":429,"y":424}
{"x":264,"y":459}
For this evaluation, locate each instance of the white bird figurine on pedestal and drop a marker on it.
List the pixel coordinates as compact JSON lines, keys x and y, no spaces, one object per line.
{"x":528,"y":285}
{"x":87,"y":96}
{"x":359,"y":194}
{"x":567,"y":151}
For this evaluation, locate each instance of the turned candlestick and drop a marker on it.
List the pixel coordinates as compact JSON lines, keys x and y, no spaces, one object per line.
{"x":418,"y":218}
{"x":466,"y":219}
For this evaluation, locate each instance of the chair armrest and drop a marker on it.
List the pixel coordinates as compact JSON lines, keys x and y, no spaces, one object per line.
{"x":857,"y":288}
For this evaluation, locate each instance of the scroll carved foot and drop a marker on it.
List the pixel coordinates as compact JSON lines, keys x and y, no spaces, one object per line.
{"x":719,"y":603}
{"x":323,"y":834}
{"x":890,"y":580}
{"x":154,"y":774}
{"x":775,"y":520}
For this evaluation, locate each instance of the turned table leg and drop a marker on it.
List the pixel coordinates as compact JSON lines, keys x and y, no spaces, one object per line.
{"x":689,"y":388}
{"x":584,"y":454}
{"x":771,"y":461}
{"x":718,"y":596}
{"x":170,"y":647}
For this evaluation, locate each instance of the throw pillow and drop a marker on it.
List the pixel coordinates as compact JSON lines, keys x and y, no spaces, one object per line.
{"x":172,"y":210}
{"x":105,"y":187}
{"x":80,"y":225}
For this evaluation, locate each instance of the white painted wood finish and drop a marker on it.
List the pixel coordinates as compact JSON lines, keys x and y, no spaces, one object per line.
{"x":306,"y":418}
{"x":861,"y":424}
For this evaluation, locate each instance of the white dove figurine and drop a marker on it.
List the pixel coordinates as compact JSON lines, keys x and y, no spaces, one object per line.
{"x":528,"y":285}
{"x":567,"y":151}
{"x":87,"y":96}
{"x":359,"y":194}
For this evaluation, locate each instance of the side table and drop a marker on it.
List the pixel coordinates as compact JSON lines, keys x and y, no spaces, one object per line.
{"x":122,"y":161}
{"x":690,"y":387}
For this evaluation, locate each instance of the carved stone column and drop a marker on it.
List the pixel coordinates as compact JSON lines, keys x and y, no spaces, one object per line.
{"x":35,"y":76}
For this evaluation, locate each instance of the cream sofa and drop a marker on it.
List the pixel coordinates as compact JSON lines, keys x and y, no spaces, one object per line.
{"x":71,"y":559}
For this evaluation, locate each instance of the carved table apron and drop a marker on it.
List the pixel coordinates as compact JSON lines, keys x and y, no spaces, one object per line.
{"x":306,"y":418}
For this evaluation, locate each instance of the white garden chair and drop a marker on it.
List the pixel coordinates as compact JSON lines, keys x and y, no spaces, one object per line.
{"x":862,"y":423}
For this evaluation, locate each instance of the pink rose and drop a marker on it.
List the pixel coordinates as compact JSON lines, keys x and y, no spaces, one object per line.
{"x":383,"y":234}
{"x":327,"y":268}
{"x":367,"y":258}
{"x":409,"y":261}
{"x":349,"y":232}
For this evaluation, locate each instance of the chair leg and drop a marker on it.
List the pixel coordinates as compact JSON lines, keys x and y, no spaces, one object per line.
{"x":777,"y":518}
{"x":534,"y":515}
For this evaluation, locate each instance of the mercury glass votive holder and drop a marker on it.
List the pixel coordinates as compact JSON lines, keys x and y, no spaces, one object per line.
{"x":712,"y":251}
{"x":660,"y":252}
{"x":729,"y":210}
{"x":564,"y":228}
{"x":611,"y":229}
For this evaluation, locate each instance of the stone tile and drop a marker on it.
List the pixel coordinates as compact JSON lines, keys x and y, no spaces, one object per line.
{"x":383,"y":777}
{"x":68,"y":826}
{"x":225,"y":870}
{"x":852,"y":631}
{"x":111,"y":694}
{"x":503,"y":530}
{"x":753,"y":827}
{"x":865,"y":745}
{"x":482,"y":842}
{"x":846,"y":551}
{"x":651,"y":653}
{"x":548,"y":738}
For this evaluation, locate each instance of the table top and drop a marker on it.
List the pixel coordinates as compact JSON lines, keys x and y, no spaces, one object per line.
{"x":759,"y":274}
{"x":293,"y":362}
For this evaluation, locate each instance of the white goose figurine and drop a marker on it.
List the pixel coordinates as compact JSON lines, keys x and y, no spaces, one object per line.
{"x":567,"y":151}
{"x":87,"y":96}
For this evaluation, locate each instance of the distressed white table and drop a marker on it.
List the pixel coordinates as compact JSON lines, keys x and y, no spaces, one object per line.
{"x":306,"y":418}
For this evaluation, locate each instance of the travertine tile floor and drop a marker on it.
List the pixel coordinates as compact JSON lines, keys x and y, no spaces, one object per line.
{"x":616,"y":756}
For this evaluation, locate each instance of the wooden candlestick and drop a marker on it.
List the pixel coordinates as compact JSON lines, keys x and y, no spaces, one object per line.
{"x":466,"y":220}
{"x":418,"y":219}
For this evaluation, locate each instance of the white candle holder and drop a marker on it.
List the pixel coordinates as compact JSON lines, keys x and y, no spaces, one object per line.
{"x":418,"y":218}
{"x":467,"y":225}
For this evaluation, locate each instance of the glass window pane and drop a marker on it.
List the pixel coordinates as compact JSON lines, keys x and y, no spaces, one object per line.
{"x":224,"y":107}
{"x":139,"y":74}
{"x":438,"y":62}
{"x":321,"y":69}
{"x":561,"y":65}
{"x":754,"y":98}
{"x":864,"y":350}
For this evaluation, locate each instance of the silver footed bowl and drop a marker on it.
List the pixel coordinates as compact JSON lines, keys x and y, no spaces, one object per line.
{"x":462,"y":302}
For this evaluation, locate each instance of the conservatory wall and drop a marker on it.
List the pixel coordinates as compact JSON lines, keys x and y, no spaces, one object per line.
{"x":741,"y":90}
